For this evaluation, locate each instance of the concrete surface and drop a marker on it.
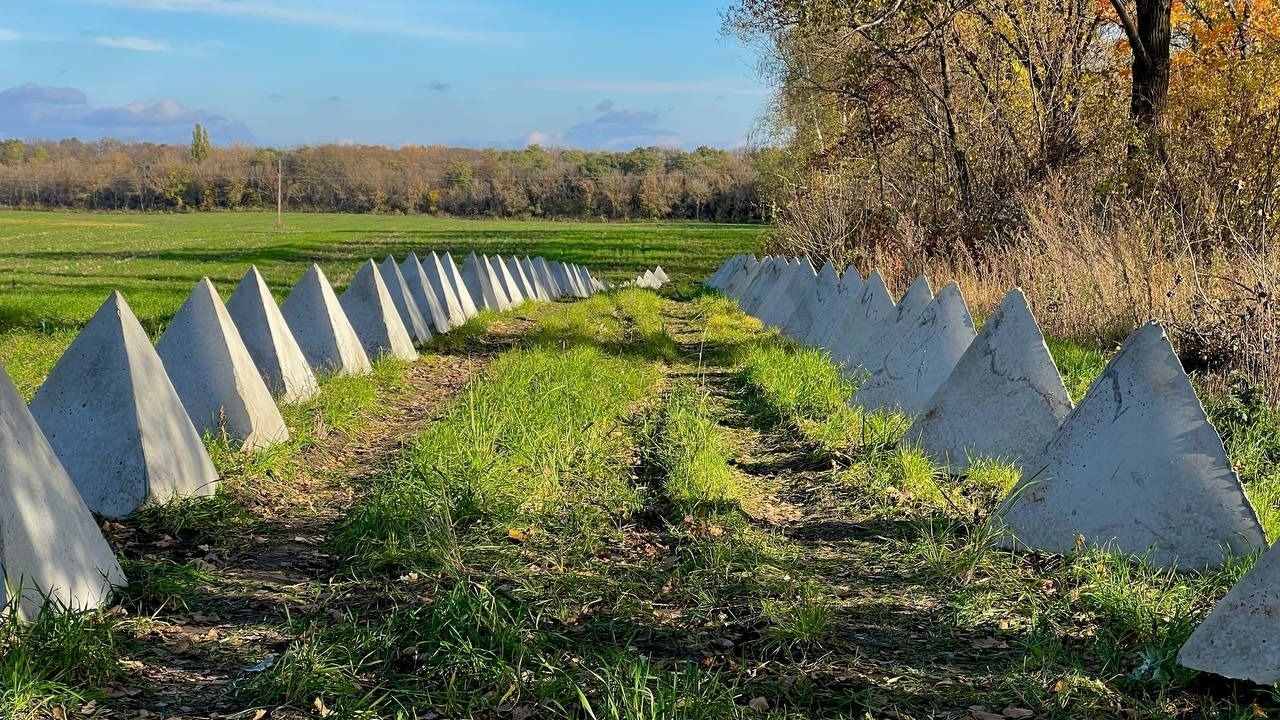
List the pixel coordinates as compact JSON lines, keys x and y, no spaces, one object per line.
{"x":269,"y":340}
{"x":319,"y":324}
{"x":406,"y":305}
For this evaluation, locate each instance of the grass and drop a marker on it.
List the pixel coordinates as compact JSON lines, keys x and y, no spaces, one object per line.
{"x":690,"y":453}
{"x":59,"y":266}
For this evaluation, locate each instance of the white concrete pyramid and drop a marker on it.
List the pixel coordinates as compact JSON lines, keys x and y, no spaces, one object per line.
{"x":406,"y":305}
{"x":722,"y":273}
{"x":778,"y":285}
{"x":847,"y":339}
{"x":269,"y":340}
{"x":828,"y":316}
{"x":373,"y":315}
{"x":571,"y":280}
{"x":1136,"y":467}
{"x":798,"y":325}
{"x":922,"y":359}
{"x":1004,"y":399}
{"x":483,"y":284}
{"x":49,"y":543}
{"x":423,"y":291}
{"x":1241,"y":636}
{"x":214,"y":374}
{"x":564,"y":281}
{"x":535,"y":279}
{"x":451,"y":305}
{"x":508,"y":281}
{"x":588,"y":282}
{"x":797,"y":284}
{"x":877,"y":347}
{"x":522,"y":280}
{"x":321,"y":327}
{"x":115,"y":421}
{"x":465,"y":298}
{"x":761,"y":283}
{"x":661,"y":274}
{"x":742,"y":278}
{"x":548,"y":278}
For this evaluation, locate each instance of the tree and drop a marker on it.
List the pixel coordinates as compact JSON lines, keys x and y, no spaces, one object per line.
{"x":200,"y":144}
{"x":1149,"y":39}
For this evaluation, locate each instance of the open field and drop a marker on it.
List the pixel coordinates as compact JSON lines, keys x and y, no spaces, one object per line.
{"x":625,"y":507}
{"x":56,"y":268}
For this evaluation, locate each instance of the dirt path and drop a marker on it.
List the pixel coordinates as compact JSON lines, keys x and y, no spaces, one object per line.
{"x":211,"y":609}
{"x":892,"y":647}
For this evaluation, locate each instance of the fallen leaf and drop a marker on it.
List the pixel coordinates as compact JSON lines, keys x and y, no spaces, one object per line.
{"x":517,"y":535}
{"x":979,"y":712}
{"x":1256,"y":711}
{"x":259,"y":714}
{"x":759,"y":704}
{"x":989,"y":643}
{"x":321,"y":709}
{"x":181,"y":645}
{"x":524,"y":712}
{"x":1015,"y":713}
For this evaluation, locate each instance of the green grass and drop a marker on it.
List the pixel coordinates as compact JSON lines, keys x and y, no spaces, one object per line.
{"x":54,"y":662}
{"x":690,"y":453}
{"x":57,"y":267}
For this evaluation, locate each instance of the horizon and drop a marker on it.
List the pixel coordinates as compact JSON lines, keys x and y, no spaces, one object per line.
{"x":288,"y":73}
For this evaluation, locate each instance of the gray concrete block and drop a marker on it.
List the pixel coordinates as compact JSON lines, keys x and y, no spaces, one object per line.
{"x":1240,"y":638}
{"x":536,"y":280}
{"x":1136,"y":467}
{"x":922,"y":359}
{"x":527,"y":288}
{"x":515,"y":295}
{"x":269,"y":340}
{"x":438,"y":278}
{"x":321,"y":327}
{"x":1004,"y":399}
{"x":49,"y":543}
{"x":373,"y":315}
{"x":115,"y":421}
{"x":214,"y":374}
{"x":433,"y":308}
{"x":859,"y":323}
{"x":465,"y":298}
{"x":543,"y":270}
{"x":873,"y":353}
{"x":406,"y":305}
{"x":483,"y":285}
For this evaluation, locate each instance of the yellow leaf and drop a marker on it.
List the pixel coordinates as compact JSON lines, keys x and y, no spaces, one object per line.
{"x":517,"y":535}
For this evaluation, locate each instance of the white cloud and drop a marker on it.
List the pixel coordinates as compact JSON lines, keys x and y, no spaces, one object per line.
{"x":138,"y":44}
{"x":7,"y":35}
{"x":613,"y":128}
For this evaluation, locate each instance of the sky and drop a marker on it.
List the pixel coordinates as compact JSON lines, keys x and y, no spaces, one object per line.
{"x":610,"y":75}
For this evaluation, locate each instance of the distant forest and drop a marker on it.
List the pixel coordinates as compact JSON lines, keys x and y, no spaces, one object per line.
{"x":645,"y":183}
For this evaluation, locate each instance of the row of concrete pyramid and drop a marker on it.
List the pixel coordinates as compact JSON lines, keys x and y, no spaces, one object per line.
{"x":650,"y":279}
{"x":1136,"y":467}
{"x":118,"y":423}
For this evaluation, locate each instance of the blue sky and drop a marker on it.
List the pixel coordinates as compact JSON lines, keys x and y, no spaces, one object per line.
{"x":571,"y":73}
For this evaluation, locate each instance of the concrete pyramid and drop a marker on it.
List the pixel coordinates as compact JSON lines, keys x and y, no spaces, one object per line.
{"x":742,"y":277}
{"x":424,"y":295}
{"x":761,"y":283}
{"x":564,"y":280}
{"x":115,"y":421}
{"x":1004,"y":399}
{"x":269,"y":340}
{"x":483,"y":285}
{"x":778,"y":286}
{"x":920,"y":361}
{"x":571,"y":280}
{"x":798,"y":325}
{"x":797,"y":284}
{"x":522,"y":280}
{"x":548,"y":278}
{"x":539,"y":286}
{"x":848,"y":337}
{"x":455,"y":312}
{"x":1241,"y":636}
{"x":321,"y":327}
{"x":828,"y":314}
{"x":588,"y":282}
{"x":722,"y":273}
{"x":878,"y":346}
{"x":418,"y":326}
{"x":661,"y":274}
{"x":508,"y":281}
{"x":1136,"y":467}
{"x":465,"y":298}
{"x":49,"y":543}
{"x":214,"y":374}
{"x":373,"y":315}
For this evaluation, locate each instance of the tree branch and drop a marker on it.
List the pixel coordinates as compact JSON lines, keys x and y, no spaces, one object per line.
{"x":1131,"y":32}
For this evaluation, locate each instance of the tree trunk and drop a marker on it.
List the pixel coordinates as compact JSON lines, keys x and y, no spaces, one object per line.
{"x":1150,"y":66}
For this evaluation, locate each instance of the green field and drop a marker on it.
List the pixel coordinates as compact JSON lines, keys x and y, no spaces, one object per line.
{"x":56,"y":268}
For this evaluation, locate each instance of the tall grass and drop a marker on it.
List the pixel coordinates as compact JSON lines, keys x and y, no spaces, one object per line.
{"x":691,"y":453}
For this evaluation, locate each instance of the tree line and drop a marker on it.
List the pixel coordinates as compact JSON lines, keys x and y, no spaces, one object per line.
{"x":705,"y":184}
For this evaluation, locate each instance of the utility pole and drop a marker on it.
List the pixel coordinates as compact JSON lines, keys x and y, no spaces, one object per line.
{"x":280,"y":192}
